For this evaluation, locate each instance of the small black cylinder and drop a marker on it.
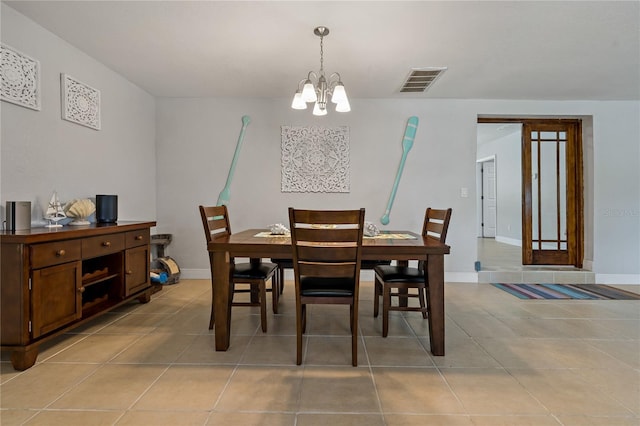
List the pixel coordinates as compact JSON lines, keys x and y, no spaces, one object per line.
{"x":106,"y":208}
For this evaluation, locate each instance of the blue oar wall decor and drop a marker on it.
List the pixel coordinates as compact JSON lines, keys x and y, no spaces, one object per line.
{"x":225,"y":194}
{"x":407,"y":143}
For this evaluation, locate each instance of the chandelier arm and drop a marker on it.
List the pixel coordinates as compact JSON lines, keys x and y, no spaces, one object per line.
{"x":301,"y":83}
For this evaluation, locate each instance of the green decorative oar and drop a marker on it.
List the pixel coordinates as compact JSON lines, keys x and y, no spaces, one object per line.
{"x":407,"y":143}
{"x":225,"y":194}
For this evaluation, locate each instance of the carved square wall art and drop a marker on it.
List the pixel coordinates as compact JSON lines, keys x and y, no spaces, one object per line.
{"x":315,"y":159}
{"x":20,"y":78}
{"x":80,"y":102}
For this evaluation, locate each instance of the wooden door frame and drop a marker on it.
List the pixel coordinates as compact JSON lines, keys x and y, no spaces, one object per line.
{"x":577,"y":249}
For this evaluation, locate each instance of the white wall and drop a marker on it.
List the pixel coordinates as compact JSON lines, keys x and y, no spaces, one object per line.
{"x":41,"y":153}
{"x":197,"y":138}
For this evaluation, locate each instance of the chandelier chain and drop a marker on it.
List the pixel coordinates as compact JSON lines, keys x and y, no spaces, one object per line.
{"x":321,"y":55}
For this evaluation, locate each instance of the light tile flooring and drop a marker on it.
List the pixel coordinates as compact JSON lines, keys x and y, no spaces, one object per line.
{"x":502,"y":262}
{"x":508,"y":362}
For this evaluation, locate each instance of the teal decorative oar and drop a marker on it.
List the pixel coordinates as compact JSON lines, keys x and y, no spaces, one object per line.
{"x":225,"y":194}
{"x":407,"y":143}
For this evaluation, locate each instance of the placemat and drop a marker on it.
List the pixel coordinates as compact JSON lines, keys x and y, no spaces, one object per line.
{"x":377,"y":237}
{"x":270,"y":235}
{"x":393,"y":237}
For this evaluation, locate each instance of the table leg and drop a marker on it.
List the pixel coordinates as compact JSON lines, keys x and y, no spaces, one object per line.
{"x":222,"y":299}
{"x":435,"y":295}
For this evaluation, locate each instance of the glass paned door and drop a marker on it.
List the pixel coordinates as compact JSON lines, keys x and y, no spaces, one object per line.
{"x":551,"y":198}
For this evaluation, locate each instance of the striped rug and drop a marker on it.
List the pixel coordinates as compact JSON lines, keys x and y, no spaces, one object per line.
{"x":567,"y":291}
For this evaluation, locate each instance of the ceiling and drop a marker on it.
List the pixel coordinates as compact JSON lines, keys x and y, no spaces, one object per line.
{"x":547,"y":50}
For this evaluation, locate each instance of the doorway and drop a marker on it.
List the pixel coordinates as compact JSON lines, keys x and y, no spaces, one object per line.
{"x":487,"y":202}
{"x":538,"y":192}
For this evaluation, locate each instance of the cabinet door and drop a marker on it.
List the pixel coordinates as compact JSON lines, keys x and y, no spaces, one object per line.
{"x":55,"y":297}
{"x":136,"y":269}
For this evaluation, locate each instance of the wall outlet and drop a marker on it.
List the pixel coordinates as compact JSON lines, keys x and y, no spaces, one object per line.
{"x":464,"y":192}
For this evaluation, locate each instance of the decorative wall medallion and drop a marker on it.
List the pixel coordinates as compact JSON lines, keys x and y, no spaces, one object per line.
{"x":80,"y":103}
{"x":20,"y":78}
{"x":315,"y":159}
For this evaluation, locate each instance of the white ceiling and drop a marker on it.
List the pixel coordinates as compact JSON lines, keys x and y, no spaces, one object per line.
{"x":551,"y":50}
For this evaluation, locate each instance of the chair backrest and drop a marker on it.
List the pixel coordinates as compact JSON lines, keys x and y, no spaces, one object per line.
{"x":215,"y":221}
{"x":436,"y":224}
{"x":327,"y":243}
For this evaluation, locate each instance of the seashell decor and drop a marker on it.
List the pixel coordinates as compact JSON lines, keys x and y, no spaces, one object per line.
{"x":80,"y":210}
{"x":278,"y":229}
{"x":370,"y":229}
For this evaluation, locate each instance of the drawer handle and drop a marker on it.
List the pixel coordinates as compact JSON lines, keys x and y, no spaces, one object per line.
{"x":138,"y":237}
{"x":106,"y":244}
{"x":61,"y":253}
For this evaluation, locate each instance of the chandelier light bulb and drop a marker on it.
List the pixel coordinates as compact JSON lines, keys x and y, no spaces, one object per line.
{"x":317,"y":110}
{"x":309,"y":92}
{"x":298,"y":102}
{"x":339,"y":94}
{"x":343,"y":106}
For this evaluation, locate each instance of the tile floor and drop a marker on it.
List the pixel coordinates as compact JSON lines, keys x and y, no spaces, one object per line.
{"x":508,"y":362}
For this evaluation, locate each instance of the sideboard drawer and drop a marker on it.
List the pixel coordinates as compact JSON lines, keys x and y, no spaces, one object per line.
{"x":137,"y":238}
{"x":104,"y":244}
{"x":55,"y":253}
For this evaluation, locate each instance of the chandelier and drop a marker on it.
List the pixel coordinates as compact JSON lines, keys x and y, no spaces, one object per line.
{"x":316,"y":88}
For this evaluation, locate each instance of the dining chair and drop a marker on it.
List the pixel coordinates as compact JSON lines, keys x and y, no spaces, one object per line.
{"x":404,"y":279}
{"x":215,"y":221}
{"x":284,"y":264}
{"x":327,"y":251}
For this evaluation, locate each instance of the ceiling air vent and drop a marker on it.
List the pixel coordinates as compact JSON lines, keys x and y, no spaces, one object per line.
{"x":420,"y":79}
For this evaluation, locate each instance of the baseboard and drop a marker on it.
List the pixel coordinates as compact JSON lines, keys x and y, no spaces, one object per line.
{"x":587,"y":265}
{"x":461,"y":277}
{"x":457,"y":277}
{"x":510,"y":241}
{"x":618,"y":279}
{"x":195,"y":274}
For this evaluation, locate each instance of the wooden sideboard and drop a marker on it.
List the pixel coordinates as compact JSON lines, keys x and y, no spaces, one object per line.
{"x":54,"y":279}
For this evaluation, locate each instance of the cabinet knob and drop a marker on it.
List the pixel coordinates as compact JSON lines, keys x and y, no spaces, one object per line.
{"x":61,"y":253}
{"x":107,"y":244}
{"x":138,"y":237}
{"x":129,"y":272}
{"x":81,"y":290}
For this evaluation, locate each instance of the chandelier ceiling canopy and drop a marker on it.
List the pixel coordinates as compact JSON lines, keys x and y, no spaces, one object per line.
{"x":317,"y":88}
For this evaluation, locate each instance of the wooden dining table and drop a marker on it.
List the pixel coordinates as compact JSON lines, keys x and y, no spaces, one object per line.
{"x":391,"y":245}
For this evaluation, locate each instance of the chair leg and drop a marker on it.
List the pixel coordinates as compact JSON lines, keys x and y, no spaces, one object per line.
{"x":299,"y":331}
{"x":421,"y":297}
{"x":304,"y":318}
{"x":354,"y":337}
{"x":376,"y":296}
{"x":281,"y":279}
{"x":351,"y":319}
{"x":275,"y":293}
{"x":263,"y":306}
{"x":386,"y":302}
